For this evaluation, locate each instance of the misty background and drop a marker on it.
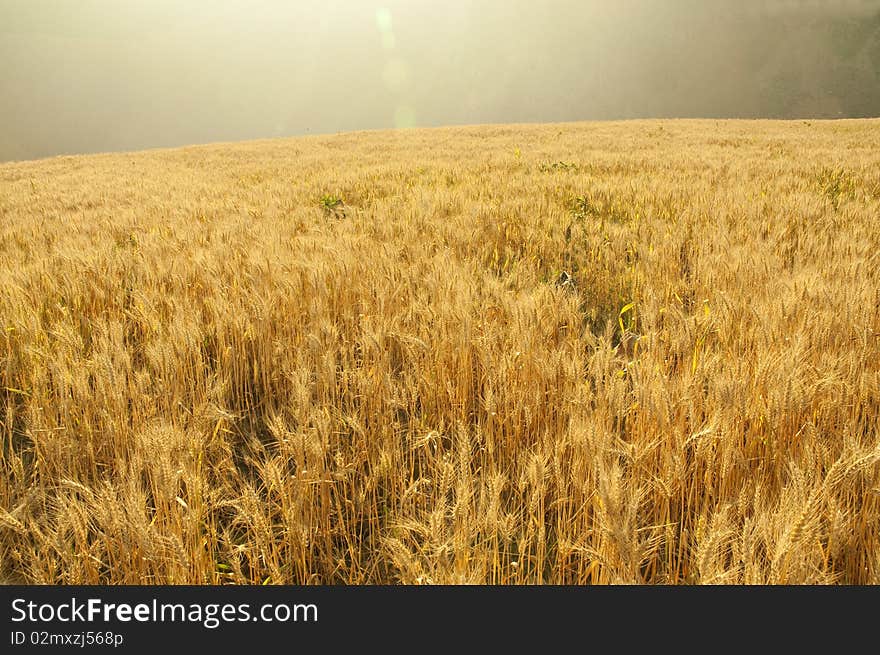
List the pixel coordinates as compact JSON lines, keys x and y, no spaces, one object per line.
{"x":82,"y":76}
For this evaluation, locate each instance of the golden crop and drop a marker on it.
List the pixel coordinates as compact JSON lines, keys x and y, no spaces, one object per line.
{"x":642,"y":352}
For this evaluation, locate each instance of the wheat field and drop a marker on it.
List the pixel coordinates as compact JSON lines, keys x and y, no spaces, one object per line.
{"x":638,"y":352}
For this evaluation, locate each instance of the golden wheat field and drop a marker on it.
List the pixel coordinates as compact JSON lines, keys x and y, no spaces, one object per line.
{"x":639,"y":352}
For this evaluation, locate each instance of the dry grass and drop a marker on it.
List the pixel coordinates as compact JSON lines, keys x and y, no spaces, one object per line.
{"x":588,"y":353}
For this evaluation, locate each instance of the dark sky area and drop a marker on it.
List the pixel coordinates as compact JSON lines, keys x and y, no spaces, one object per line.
{"x":108,"y":75}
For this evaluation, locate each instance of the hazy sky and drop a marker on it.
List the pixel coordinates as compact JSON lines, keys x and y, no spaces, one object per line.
{"x":98,"y":75}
